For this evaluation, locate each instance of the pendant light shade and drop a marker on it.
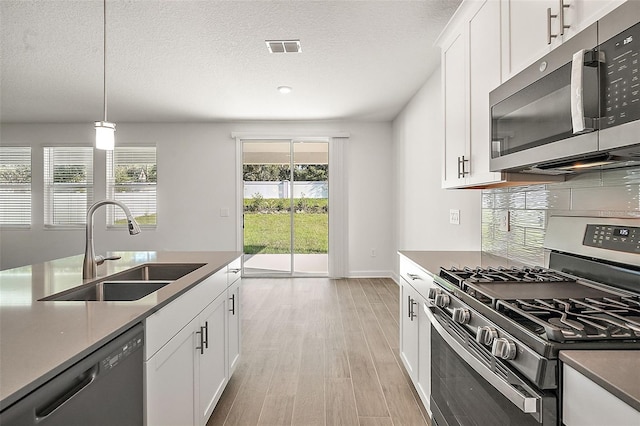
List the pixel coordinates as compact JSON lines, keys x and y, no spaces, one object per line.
{"x":105,"y":135}
{"x":105,"y":131}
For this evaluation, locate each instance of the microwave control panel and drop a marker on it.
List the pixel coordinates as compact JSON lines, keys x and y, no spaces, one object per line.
{"x":618,"y":238}
{"x":621,"y":78}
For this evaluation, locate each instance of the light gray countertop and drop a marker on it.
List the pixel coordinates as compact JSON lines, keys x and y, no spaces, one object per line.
{"x":431,"y":261}
{"x":616,"y":371}
{"x":40,"y":339}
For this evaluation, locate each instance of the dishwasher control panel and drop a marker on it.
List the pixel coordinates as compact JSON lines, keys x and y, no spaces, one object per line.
{"x":125,"y":350}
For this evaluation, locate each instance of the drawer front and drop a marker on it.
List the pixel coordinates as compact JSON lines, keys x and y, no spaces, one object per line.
{"x":413,"y":274}
{"x":162,"y":325}
{"x":584,"y":403}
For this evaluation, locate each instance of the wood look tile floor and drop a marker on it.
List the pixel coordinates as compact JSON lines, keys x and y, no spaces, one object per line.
{"x":317,"y":351}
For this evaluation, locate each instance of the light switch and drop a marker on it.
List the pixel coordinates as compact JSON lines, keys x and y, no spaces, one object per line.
{"x":454,"y":216}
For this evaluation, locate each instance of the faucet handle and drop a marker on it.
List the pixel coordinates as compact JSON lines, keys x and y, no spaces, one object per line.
{"x":101,"y":259}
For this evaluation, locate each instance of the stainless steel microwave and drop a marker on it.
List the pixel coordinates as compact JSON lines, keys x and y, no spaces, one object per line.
{"x":576,"y":109}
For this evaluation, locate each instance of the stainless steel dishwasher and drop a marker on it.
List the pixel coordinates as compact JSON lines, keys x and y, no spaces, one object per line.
{"x":104,"y":388}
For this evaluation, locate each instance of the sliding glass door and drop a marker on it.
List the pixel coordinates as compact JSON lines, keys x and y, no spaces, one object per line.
{"x":285,"y":215}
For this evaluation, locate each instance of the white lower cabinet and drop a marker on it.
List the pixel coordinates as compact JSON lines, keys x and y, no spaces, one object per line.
{"x":410,"y":304}
{"x":170,"y":393}
{"x":233,"y":317}
{"x":192,"y":347}
{"x":211,"y":373}
{"x":585,"y":403}
{"x":415,"y":328}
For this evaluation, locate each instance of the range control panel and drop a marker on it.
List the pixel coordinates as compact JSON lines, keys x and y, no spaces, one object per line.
{"x":618,"y":238}
{"x":621,"y":78}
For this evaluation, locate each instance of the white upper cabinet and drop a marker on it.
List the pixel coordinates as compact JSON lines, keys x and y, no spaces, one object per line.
{"x":484,"y":44}
{"x":454,"y":85}
{"x":471,"y":68}
{"x":484,"y":76}
{"x":532,"y":28}
{"x":529,"y":32}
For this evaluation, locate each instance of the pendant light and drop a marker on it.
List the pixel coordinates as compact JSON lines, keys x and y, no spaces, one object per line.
{"x":105,"y":131}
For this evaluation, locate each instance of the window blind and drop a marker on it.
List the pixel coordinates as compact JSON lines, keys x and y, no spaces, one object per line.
{"x":15,"y":186}
{"x":68,"y":185}
{"x":132,"y":177}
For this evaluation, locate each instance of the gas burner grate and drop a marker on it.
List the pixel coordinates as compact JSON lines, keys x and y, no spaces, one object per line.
{"x":459,"y":276}
{"x":572,"y":319}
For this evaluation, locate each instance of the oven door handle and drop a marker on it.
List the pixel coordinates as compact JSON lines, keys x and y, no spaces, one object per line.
{"x":526,"y":404}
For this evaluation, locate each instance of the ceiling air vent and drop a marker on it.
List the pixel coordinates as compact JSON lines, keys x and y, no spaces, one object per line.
{"x":284,"y":46}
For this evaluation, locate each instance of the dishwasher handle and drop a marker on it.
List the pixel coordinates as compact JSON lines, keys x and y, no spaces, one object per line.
{"x":77,"y":385}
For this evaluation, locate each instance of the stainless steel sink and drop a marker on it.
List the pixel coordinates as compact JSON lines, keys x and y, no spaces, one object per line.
{"x":110,"y":291}
{"x":156,"y":271}
{"x":129,"y":285}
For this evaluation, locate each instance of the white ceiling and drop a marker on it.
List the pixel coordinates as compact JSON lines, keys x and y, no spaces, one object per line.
{"x":190,"y":61}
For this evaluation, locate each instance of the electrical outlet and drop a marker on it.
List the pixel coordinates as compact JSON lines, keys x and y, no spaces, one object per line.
{"x":373,"y":252}
{"x":454,"y":216}
{"x":503,"y":221}
{"x":224,"y":212}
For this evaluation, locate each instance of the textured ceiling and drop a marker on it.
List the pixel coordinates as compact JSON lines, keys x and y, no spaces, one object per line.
{"x":190,"y":61}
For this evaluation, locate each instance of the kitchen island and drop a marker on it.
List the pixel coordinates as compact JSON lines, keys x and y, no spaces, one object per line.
{"x":39,"y":339}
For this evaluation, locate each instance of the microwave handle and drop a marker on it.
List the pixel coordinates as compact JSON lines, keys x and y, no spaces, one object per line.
{"x":577,"y":85}
{"x":579,"y":122}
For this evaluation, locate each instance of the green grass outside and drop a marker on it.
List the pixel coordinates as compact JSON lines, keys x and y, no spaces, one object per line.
{"x":148,"y":219}
{"x":270,"y":233}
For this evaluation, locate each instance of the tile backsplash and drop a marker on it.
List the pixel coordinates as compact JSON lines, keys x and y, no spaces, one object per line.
{"x":614,"y":193}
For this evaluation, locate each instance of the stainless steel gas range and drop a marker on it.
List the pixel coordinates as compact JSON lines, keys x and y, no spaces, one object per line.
{"x":497,"y":332}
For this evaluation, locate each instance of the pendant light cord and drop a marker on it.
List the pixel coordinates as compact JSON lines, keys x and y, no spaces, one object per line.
{"x":104,"y":56}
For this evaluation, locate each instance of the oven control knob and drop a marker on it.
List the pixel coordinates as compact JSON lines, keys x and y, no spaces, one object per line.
{"x":486,"y":335}
{"x":442,"y":300}
{"x":433,"y":292}
{"x":461,"y":315}
{"x":504,"y":348}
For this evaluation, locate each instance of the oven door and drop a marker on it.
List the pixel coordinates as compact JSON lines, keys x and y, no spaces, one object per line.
{"x":471,"y":387}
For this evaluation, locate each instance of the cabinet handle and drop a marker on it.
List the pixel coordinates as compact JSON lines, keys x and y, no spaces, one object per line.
{"x":235,"y":270}
{"x":561,"y":17}
{"x":206,"y":334}
{"x":413,"y":277}
{"x":201,"y":347}
{"x":412,"y":313}
{"x":549,"y":16}
{"x":233,"y":304}
{"x":461,"y":169}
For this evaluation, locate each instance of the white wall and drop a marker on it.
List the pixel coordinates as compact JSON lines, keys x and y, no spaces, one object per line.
{"x":422,"y":207}
{"x":189,"y":216}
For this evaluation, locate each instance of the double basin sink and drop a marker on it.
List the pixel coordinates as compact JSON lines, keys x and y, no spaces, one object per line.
{"x":129,"y":285}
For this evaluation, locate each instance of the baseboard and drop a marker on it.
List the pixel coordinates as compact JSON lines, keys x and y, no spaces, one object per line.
{"x":372,"y":274}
